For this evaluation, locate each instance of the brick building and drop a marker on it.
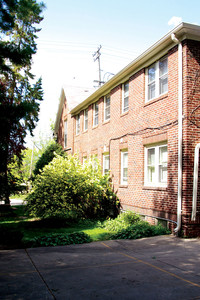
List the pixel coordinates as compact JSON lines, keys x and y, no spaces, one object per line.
{"x":143,"y":125}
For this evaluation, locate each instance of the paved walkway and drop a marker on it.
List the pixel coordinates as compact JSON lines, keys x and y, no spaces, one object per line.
{"x":162,"y":267}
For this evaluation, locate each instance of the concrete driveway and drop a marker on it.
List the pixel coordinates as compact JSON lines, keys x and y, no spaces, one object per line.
{"x":163,"y":267}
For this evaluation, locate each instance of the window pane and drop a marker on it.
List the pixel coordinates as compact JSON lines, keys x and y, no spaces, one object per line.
{"x":125,"y":174}
{"x":163,"y":67}
{"x":125,"y":160}
{"x":151,"y":91}
{"x":107,"y":108}
{"x":151,"y":174}
{"x":151,"y":74}
{"x":124,"y":167}
{"x":126,"y":89}
{"x":163,"y":76}
{"x":163,"y":84}
{"x":96,"y":114}
{"x":125,"y":104}
{"x":151,"y":165}
{"x":163,"y":154}
{"x":86,"y":119}
{"x":151,"y":156}
{"x":106,"y":164}
{"x":125,"y":100}
{"x":163,"y":164}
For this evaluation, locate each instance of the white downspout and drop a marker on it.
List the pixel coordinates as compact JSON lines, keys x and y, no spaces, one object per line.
{"x":195,"y":182}
{"x":180,"y":130}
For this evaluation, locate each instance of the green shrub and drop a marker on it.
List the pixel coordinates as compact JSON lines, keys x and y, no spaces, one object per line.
{"x":140,"y":230}
{"x":65,"y":187}
{"x":47,"y":156}
{"x":123,"y":221}
{"x":61,"y":239}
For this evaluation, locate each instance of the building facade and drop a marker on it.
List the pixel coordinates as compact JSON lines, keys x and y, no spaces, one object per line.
{"x":143,"y":125}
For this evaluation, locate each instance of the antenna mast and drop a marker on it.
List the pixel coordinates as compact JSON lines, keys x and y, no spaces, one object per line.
{"x":96,"y":56}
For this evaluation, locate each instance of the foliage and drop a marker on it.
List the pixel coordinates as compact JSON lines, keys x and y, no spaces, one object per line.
{"x":61,"y":239}
{"x":66,"y":187}
{"x":140,"y":229}
{"x":16,"y":226}
{"x":47,"y":156}
{"x":19,"y":98}
{"x":123,"y":221}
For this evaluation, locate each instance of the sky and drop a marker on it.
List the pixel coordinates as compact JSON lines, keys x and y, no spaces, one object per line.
{"x":72,"y":31}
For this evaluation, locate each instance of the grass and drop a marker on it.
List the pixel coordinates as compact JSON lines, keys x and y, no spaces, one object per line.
{"x":18,"y":230}
{"x":18,"y":196}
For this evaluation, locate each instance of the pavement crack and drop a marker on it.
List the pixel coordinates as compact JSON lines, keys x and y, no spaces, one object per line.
{"x":40,"y":275}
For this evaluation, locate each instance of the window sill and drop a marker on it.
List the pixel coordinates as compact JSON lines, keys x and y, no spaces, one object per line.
{"x":124,"y":113}
{"x":106,"y":122}
{"x":161,"y":97}
{"x":94,"y":127}
{"x":123,"y":185}
{"x":85,"y":131}
{"x":155,"y":188}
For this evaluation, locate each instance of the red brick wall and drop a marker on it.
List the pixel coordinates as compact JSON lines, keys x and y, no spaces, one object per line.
{"x":191,"y":131}
{"x":136,"y":127}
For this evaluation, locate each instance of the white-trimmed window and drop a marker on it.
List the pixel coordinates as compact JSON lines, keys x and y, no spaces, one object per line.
{"x":86,"y":119}
{"x":78,"y":124}
{"x":124,"y":167}
{"x":95,"y":114}
{"x":107,"y":108}
{"x":106,"y":162}
{"x":65,"y":134}
{"x":157,"y":79}
{"x":156,"y":165}
{"x":125,"y":97}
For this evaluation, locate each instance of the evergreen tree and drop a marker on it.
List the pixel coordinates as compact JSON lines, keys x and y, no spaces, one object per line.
{"x":19,"y":99}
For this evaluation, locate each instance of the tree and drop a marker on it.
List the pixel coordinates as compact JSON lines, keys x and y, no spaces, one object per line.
{"x":47,"y":156}
{"x":19,"y":98}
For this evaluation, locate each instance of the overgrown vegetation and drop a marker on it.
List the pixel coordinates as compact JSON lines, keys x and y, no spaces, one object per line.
{"x":66,"y":188}
{"x":19,"y":231}
{"x":47,"y":156}
{"x":62,"y":239}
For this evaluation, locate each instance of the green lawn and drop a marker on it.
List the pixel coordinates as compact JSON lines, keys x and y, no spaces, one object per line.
{"x":33,"y":228}
{"x":18,"y":230}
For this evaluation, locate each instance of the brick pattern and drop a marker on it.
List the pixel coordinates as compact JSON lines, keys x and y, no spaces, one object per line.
{"x":146,"y":123}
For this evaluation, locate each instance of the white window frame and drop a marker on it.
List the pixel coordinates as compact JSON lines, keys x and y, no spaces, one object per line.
{"x":158,"y":166}
{"x":77,"y":124}
{"x":125,"y":95}
{"x":86,"y":119}
{"x":95,"y":114}
{"x":156,"y":80}
{"x":65,"y":134}
{"x":124,"y":179}
{"x":106,"y":108}
{"x":106,"y":160}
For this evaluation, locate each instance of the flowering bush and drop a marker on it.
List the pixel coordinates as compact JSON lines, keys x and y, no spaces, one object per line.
{"x":66,"y":188}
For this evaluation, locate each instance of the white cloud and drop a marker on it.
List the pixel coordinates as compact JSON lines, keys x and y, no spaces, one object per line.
{"x":174,"y":21}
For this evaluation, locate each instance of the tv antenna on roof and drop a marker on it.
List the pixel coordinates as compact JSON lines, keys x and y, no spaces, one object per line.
{"x":96,"y":56}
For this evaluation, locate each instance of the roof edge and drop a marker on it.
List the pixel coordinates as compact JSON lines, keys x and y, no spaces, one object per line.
{"x":182,"y":31}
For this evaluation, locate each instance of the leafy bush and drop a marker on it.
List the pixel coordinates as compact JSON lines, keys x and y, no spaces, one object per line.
{"x":65,"y":187}
{"x":61,"y":239}
{"x":140,"y":230}
{"x":47,"y":156}
{"x":123,"y":221}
